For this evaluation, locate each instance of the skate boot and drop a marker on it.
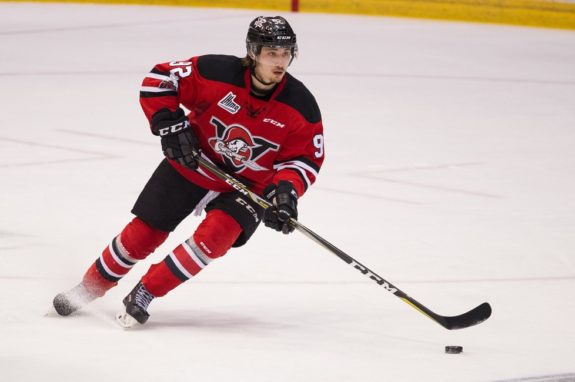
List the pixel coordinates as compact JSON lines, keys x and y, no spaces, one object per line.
{"x":136,"y":304}
{"x":68,"y":302}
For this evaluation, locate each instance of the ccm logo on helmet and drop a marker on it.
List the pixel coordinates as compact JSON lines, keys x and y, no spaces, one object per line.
{"x":174,"y":128}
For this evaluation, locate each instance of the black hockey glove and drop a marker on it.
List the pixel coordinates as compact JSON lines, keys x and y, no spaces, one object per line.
{"x":179,"y":142}
{"x":283,"y":198}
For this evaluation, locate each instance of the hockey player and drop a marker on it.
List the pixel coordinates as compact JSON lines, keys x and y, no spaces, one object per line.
{"x":246,"y":115}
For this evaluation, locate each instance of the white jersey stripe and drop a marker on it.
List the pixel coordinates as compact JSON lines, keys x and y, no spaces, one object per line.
{"x":153,"y":89}
{"x":158,"y":77}
{"x":299,"y":169}
{"x":298,"y":163}
{"x":180,"y":266}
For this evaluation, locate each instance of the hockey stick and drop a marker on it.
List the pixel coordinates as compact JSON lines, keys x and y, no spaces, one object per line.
{"x":473,"y":317}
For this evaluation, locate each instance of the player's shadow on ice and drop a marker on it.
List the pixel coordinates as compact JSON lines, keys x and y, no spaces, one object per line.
{"x":213,"y":321}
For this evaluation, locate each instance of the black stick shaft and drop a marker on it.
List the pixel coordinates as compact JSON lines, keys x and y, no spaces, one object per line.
{"x":473,"y":317}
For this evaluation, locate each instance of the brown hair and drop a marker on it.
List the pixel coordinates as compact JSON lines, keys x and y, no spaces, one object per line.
{"x":247,"y":61}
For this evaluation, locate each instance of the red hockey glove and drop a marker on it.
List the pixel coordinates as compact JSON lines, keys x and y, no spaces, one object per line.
{"x":284,"y":206}
{"x":179,"y":142}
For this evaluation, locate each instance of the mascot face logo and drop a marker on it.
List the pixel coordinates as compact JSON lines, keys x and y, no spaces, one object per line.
{"x":238,"y":147}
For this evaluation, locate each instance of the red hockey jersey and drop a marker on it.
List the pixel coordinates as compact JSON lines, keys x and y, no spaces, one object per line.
{"x":259,"y":141}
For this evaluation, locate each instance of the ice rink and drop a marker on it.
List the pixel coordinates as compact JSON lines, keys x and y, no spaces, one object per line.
{"x":450,"y":171}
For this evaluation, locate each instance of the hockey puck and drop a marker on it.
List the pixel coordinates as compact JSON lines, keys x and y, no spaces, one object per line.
{"x":453,"y":349}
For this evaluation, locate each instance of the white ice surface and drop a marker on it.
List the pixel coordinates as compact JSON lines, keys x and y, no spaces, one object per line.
{"x":450,"y":171}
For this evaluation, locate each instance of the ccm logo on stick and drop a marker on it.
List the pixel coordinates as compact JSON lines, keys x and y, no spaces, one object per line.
{"x":235,"y":185}
{"x":373,"y":276}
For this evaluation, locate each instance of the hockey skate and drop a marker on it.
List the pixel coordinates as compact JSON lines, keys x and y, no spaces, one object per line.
{"x":136,"y":304}
{"x":68,"y":302}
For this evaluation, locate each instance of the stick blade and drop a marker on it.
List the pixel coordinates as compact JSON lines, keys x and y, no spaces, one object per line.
{"x":475,"y":316}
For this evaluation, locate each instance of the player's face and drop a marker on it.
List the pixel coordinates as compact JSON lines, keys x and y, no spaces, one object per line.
{"x":272,"y":63}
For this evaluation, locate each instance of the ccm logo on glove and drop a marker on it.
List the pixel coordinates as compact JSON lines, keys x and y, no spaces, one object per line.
{"x":179,"y":143}
{"x":173,"y":129}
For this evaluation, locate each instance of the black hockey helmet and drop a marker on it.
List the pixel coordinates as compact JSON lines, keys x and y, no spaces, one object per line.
{"x":273,"y":31}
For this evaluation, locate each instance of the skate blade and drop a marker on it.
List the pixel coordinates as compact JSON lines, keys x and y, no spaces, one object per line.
{"x":125,"y":320}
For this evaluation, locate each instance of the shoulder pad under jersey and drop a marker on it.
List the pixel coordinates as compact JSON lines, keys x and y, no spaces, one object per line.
{"x":222,"y":68}
{"x":296,"y":95}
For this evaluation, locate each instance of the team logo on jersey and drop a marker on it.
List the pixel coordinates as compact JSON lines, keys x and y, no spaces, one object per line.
{"x":227,"y":103}
{"x":238,"y":147}
{"x":171,"y":83}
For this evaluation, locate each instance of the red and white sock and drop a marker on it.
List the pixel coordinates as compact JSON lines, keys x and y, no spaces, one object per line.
{"x":136,"y":241}
{"x":212,"y":239}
